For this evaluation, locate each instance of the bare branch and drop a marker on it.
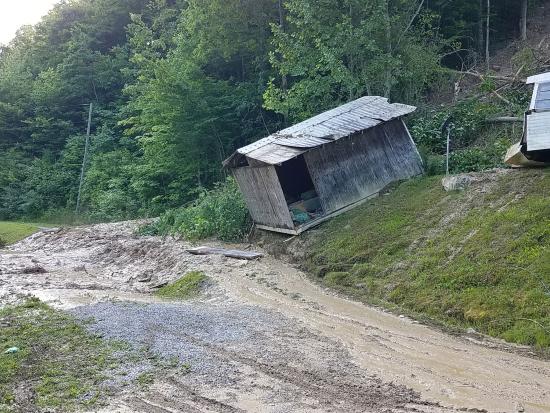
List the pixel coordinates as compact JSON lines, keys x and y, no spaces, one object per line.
{"x":413,"y":18}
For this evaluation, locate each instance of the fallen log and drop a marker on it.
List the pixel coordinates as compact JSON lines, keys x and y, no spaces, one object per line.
{"x":243,"y":255}
{"x":495,"y":77}
{"x":505,"y":119}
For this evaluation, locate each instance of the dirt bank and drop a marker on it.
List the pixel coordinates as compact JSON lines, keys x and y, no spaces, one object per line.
{"x":263,"y":338}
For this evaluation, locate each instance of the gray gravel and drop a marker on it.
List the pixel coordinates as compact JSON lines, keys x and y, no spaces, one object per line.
{"x":230,"y":346}
{"x":189,"y":332}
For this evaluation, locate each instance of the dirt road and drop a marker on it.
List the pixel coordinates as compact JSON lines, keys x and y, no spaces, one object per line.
{"x":263,"y":338}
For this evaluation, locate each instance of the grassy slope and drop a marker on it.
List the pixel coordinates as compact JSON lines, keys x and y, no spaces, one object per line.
{"x":477,"y":259}
{"x":58,"y":365}
{"x":11,"y":232}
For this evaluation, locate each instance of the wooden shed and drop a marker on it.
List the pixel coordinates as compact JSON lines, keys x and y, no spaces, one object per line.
{"x":305,"y":174}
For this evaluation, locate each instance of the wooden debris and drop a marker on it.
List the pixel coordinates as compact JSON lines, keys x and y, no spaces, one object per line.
{"x":505,"y":119}
{"x":243,"y":255}
{"x":159,"y":285}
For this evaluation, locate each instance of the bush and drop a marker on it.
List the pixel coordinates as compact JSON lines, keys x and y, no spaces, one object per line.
{"x":220,"y":212}
{"x":433,"y":164}
{"x":479,"y":159}
{"x":475,"y":145}
{"x":468,"y":120}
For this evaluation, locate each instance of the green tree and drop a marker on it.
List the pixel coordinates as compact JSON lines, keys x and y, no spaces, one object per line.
{"x":332,"y":52}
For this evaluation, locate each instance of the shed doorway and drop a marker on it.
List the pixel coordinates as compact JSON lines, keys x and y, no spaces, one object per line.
{"x":300,"y":194}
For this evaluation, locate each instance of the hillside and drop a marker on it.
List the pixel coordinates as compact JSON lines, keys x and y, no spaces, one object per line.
{"x":176,"y":86}
{"x":474,"y":259}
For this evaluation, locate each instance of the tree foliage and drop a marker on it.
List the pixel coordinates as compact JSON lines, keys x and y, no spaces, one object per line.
{"x":179,"y":84}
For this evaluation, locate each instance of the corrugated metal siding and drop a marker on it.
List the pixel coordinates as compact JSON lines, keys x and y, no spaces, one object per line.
{"x":361,"y":114}
{"x":354,"y":168}
{"x":538,"y":131}
{"x":264,"y":196}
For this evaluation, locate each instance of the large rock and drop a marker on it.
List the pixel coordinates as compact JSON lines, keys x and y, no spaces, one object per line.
{"x":457,"y":182}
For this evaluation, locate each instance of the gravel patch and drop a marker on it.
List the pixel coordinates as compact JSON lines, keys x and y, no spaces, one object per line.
{"x":234,"y":346}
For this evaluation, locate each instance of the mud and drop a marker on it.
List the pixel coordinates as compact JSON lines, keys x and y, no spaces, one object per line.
{"x":293,"y":346}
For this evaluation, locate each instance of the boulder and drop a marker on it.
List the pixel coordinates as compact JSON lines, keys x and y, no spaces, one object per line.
{"x":457,"y":182}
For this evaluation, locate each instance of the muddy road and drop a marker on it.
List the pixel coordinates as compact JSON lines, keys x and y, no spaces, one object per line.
{"x":262,"y":338}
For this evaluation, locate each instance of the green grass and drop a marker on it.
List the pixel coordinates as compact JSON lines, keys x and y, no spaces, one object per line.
{"x":11,"y":232}
{"x":186,"y":287}
{"x":470,"y":259}
{"x":59,"y":364}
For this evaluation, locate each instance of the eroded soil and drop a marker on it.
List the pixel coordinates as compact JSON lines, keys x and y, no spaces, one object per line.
{"x":263,"y":337}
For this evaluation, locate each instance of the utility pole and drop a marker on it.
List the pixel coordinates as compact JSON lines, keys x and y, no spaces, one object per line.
{"x":84,"y":159}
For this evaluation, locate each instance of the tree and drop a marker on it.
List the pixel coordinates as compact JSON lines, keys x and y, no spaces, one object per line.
{"x":488,"y":34}
{"x":523,"y":20}
{"x":332,"y":52}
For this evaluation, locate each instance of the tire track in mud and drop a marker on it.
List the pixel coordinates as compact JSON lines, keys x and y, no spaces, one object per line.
{"x":341,"y":392}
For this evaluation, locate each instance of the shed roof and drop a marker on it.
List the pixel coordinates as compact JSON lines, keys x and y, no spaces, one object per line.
{"x":541,"y":78}
{"x":358,"y":115}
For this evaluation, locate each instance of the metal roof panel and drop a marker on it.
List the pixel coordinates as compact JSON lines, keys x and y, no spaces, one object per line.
{"x":345,"y":120}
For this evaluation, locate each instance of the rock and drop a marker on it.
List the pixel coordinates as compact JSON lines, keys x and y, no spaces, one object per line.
{"x":145,"y":278}
{"x":49,"y":230}
{"x":37,"y":269}
{"x":240,"y":263}
{"x":520,"y":408}
{"x":457,"y":182}
{"x":471,"y":331}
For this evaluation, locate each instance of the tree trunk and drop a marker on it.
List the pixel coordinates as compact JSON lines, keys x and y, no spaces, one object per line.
{"x":389,"y":49}
{"x":480,"y":27}
{"x":284,"y":80}
{"x":523,"y":20}
{"x":487,"y":34}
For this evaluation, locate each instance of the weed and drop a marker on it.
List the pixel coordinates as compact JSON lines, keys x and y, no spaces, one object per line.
{"x":145,"y":379}
{"x":220,"y":212}
{"x":186,"y":287}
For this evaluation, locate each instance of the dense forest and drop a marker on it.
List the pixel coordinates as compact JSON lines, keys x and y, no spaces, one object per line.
{"x":177,"y":85}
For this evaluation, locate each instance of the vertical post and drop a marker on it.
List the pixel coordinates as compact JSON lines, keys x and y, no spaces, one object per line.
{"x":84,"y":159}
{"x":488,"y":35}
{"x":448,"y":147}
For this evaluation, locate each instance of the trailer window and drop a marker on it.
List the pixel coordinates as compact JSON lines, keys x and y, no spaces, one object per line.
{"x":542,"y":100}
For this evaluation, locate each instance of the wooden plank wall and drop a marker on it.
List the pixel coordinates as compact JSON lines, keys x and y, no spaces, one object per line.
{"x":354,"y":168}
{"x":264,"y":196}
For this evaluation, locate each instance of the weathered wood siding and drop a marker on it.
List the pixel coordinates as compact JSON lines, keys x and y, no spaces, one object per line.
{"x":264,"y":196}
{"x":354,"y":168}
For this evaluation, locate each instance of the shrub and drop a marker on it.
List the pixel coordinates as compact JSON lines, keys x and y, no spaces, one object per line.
{"x":479,"y":159}
{"x":433,"y":164}
{"x":220,"y":212}
{"x":468,"y":120}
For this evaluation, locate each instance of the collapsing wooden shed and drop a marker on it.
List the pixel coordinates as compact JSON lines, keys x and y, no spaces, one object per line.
{"x":302,"y":175}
